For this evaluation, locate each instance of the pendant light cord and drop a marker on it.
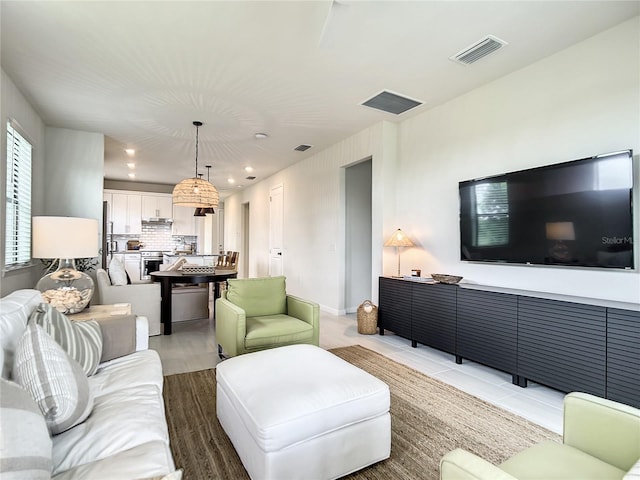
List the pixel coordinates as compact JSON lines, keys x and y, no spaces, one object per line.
{"x":197,"y":129}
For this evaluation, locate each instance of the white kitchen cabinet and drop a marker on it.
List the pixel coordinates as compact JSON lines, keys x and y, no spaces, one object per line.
{"x":157,"y":206}
{"x":184,"y":223}
{"x":126,"y":213}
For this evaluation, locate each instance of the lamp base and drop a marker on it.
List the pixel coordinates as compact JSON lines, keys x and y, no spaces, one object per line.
{"x":67,"y":289}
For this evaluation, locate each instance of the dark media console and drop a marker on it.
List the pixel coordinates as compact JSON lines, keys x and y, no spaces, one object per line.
{"x":571,"y":345}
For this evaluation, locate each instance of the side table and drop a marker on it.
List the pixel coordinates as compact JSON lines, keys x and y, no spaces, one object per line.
{"x":102,"y":311}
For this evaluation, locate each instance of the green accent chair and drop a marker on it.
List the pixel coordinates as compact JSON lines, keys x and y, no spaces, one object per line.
{"x":601,"y":441}
{"x":256,"y":314}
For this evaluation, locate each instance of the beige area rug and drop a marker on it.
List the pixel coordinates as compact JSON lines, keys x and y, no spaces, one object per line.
{"x":428,"y":418}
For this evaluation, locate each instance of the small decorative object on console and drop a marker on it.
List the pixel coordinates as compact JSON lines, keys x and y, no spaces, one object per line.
{"x":443,"y":278}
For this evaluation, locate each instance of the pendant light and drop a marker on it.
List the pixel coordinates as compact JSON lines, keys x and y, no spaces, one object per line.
{"x":199,"y":212}
{"x":202,"y":212}
{"x":195,"y":192}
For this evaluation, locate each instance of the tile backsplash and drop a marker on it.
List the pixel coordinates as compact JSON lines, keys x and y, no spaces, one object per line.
{"x":157,"y":237}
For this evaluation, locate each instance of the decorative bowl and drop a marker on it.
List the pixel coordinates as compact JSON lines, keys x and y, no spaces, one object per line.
{"x":442,"y":278}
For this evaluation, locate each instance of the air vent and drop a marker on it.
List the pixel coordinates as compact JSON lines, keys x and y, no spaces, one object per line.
{"x":251,"y":177}
{"x":391,"y":103}
{"x":478,"y":50}
{"x":302,"y":148}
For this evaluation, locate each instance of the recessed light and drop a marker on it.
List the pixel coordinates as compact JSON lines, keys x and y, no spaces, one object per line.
{"x":132,"y":175}
{"x":131,"y":165}
{"x":248,"y":169}
{"x":231,"y":180}
{"x":130,"y":151}
{"x":261,"y":135}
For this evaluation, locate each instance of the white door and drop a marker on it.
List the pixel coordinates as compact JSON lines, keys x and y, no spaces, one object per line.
{"x":276,"y":220}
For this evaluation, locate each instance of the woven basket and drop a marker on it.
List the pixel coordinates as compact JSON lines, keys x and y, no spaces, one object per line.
{"x":367,"y":321}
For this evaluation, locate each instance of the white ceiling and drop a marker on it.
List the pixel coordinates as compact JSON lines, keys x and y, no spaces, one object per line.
{"x":142,"y":72}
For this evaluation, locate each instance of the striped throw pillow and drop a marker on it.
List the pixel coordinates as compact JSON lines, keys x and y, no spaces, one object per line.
{"x":25,"y":444}
{"x":81,"y":340}
{"x":55,"y":380}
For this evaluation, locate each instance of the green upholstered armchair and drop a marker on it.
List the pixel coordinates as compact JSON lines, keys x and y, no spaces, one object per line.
{"x":256,"y":314}
{"x":601,"y":440}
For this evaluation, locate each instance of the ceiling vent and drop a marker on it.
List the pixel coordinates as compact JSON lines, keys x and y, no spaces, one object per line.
{"x":302,"y":148}
{"x":251,"y":177}
{"x":478,"y":50}
{"x":391,"y":103}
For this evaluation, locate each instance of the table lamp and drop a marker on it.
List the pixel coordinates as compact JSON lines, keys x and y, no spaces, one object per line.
{"x":398,"y":239}
{"x":65,"y":238}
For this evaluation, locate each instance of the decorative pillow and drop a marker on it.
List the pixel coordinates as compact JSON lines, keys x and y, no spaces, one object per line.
{"x":634,"y":473}
{"x":25,"y":444}
{"x":117,"y":273}
{"x":81,"y":340}
{"x":55,"y":381}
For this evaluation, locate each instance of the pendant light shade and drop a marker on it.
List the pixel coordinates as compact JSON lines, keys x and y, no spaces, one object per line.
{"x":203,"y":211}
{"x":195,"y":192}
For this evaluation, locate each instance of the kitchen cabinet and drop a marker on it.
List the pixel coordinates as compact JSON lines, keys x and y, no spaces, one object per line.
{"x":184,"y":223}
{"x":157,"y":206}
{"x":126,"y":213}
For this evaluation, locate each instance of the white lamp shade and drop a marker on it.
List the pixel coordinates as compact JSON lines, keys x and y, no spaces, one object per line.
{"x":65,"y":237}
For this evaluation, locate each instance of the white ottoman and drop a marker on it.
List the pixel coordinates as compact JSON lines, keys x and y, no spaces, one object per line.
{"x":301,"y":412}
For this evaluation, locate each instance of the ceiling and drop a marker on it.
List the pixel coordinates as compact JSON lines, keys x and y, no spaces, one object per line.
{"x":142,"y":72}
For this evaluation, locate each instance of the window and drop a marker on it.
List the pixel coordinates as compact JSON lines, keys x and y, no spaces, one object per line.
{"x":492,"y":214}
{"x":17,"y":251}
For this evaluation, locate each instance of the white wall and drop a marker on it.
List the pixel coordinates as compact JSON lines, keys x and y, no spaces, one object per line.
{"x":73,"y":160}
{"x":15,"y":106}
{"x":67,"y":174}
{"x":314,"y":232}
{"x":582,"y":101}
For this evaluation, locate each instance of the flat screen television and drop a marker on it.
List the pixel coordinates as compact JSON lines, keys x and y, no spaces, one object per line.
{"x":577,"y":213}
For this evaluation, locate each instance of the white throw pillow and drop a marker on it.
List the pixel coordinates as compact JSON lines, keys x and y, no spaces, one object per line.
{"x":117,"y":273}
{"x":55,"y":381}
{"x":25,"y":444}
{"x":81,"y":340}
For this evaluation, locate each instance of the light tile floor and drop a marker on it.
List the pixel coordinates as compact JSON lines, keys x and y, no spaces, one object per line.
{"x":192,"y":346}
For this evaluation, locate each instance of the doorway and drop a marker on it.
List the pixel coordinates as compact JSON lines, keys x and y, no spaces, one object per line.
{"x":276,"y":231}
{"x":358,"y":232}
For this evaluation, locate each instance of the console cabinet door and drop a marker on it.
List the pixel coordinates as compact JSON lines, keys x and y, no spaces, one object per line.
{"x":623,"y":356}
{"x":562,"y":344}
{"x":487,"y":328}
{"x":394,"y":309}
{"x":433,"y":315}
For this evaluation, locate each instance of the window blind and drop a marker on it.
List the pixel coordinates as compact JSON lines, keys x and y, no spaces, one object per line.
{"x":492,"y":214}
{"x":18,"y":202}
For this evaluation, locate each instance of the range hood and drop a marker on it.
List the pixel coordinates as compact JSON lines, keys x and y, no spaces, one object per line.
{"x":157,"y":220}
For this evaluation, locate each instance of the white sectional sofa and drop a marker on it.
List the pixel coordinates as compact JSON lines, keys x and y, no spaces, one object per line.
{"x":124,"y":437}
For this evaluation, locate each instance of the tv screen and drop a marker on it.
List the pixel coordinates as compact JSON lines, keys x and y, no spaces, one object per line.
{"x":577,"y":213}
